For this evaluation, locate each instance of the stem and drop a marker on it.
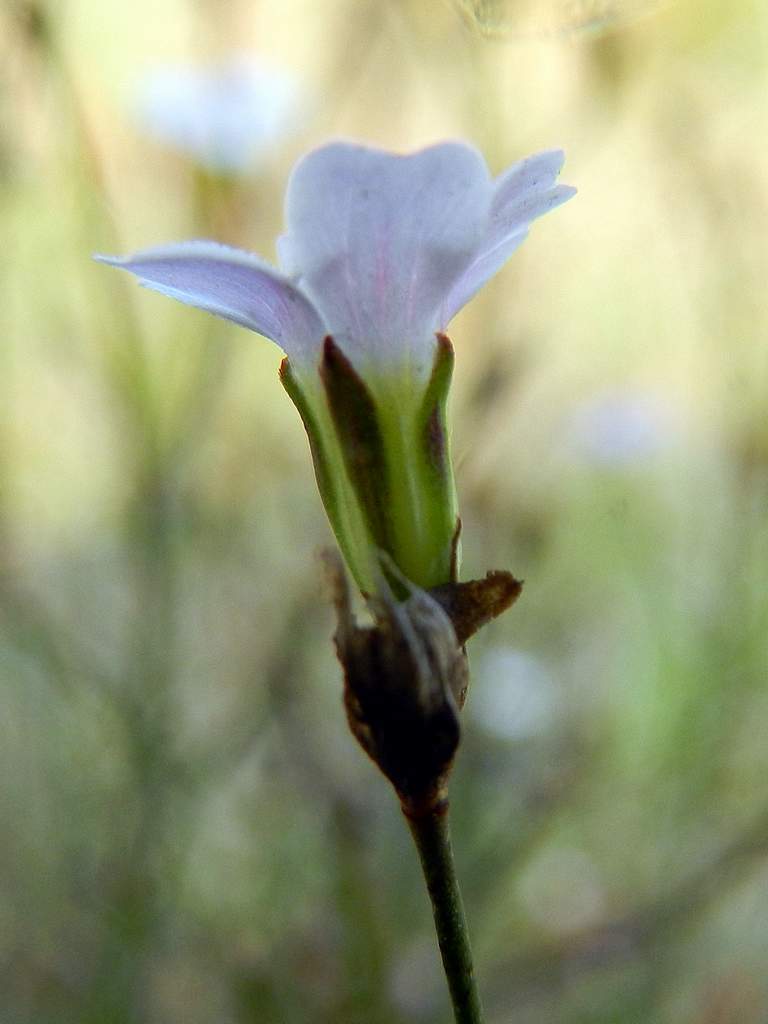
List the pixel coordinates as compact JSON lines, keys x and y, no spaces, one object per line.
{"x":433,"y":841}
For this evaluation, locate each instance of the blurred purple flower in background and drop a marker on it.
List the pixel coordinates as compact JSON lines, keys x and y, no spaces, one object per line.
{"x":227,"y":117}
{"x":620,"y":428}
{"x":514,"y":695}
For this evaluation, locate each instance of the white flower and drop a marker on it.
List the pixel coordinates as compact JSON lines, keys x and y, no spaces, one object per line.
{"x":620,"y":428}
{"x":380,"y":253}
{"x":227,"y":117}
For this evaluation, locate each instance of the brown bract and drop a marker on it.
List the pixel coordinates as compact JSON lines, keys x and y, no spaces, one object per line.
{"x":406,"y":676}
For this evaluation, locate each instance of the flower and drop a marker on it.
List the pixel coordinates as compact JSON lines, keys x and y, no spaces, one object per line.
{"x":380,"y":253}
{"x":526,"y":705}
{"x":226,"y":117}
{"x":620,"y":429}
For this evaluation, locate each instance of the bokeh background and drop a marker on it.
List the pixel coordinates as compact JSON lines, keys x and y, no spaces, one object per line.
{"x":188,"y":833}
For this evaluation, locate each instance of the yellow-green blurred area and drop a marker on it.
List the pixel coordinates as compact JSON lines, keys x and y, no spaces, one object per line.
{"x":189,"y":834}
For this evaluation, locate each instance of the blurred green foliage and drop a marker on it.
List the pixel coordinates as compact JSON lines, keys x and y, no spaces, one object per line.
{"x":188,"y":832}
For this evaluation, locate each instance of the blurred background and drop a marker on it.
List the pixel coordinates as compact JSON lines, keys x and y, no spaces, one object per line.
{"x":188,"y":832}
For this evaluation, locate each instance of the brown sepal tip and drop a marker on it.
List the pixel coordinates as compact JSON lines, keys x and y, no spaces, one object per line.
{"x":406,"y":676}
{"x":472,"y":604}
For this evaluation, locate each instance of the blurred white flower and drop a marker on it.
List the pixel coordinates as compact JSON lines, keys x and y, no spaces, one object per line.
{"x":619,"y":428}
{"x":514,"y":695}
{"x":227,"y":117}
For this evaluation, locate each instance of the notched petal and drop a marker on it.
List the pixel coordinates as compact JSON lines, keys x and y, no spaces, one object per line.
{"x":379,"y":238}
{"x":534,"y":173}
{"x":232,"y":284}
{"x":523,"y":193}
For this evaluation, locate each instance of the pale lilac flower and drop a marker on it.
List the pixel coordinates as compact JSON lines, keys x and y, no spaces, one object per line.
{"x":620,"y":428}
{"x":227,"y":117}
{"x":515,"y":695}
{"x":380,"y":253}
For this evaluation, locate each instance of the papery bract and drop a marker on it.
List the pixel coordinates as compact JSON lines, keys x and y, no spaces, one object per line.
{"x":380,"y":253}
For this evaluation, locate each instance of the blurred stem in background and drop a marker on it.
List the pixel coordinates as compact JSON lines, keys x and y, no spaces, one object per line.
{"x":364,"y":946}
{"x":132,"y":909}
{"x":141,"y":689}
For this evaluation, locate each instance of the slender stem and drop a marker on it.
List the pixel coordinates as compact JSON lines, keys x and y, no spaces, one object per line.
{"x":433,"y":842}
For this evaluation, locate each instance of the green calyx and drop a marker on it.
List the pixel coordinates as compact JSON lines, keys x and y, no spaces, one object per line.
{"x":382,"y":463}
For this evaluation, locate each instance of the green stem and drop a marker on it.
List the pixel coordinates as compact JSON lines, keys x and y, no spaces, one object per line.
{"x":433,"y":842}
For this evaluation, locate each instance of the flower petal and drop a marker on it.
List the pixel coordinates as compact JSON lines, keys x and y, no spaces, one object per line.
{"x":378,"y":240}
{"x":235,"y":285}
{"x":524,"y":192}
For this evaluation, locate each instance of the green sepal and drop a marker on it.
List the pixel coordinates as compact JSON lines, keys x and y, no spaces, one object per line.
{"x":380,"y":448}
{"x":356,"y":419}
{"x":425,"y":526}
{"x":432,"y":412}
{"x":331,"y":481}
{"x":319,"y":458}
{"x":437,"y":475}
